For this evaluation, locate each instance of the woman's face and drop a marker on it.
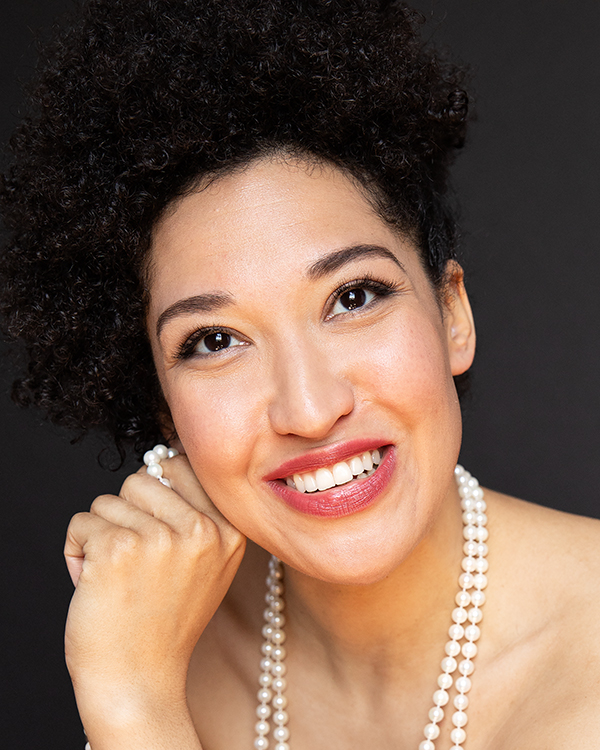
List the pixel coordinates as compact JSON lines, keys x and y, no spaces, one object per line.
{"x":293,"y":331}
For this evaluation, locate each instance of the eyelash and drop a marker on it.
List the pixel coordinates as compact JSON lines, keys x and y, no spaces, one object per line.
{"x":370,"y":283}
{"x":380,"y":288}
{"x":188,"y":348}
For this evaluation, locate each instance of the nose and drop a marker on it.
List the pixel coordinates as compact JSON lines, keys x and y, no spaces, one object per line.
{"x":310,"y":393}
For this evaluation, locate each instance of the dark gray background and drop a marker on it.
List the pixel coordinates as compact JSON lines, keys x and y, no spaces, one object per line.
{"x":529,"y":185}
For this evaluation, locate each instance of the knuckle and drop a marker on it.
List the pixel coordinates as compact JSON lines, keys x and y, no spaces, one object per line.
{"x":133,"y":483}
{"x":163,"y":537}
{"x":124,"y":542}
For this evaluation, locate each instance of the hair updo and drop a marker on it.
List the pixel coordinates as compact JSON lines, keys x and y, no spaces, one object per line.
{"x":133,"y":102}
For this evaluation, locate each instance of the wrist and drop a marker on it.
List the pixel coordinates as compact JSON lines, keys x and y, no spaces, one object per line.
{"x":118,"y":720}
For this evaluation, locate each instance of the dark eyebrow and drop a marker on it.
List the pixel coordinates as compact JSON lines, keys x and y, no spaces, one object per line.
{"x":331,"y":262}
{"x":200,"y":303}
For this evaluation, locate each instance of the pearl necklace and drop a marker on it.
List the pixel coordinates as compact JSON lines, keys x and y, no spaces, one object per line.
{"x":472,"y":581}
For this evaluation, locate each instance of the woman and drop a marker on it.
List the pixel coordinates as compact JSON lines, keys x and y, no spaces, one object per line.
{"x":264,"y":274}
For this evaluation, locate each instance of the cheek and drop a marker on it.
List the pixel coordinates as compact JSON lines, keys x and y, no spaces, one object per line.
{"x":214,"y":421}
{"x":408,"y":366}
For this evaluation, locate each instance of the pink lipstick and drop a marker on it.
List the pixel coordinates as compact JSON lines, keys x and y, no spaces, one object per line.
{"x":341,"y":500}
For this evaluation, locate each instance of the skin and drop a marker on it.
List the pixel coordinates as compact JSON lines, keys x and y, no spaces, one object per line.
{"x":368,"y":594}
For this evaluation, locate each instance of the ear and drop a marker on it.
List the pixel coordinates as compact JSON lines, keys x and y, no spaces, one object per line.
{"x":458,"y":320}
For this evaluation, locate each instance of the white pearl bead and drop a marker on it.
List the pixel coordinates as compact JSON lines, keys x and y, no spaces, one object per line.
{"x":466,"y":581}
{"x":469,"y":564}
{"x":463,"y":599}
{"x":276,"y":589}
{"x":278,"y":620}
{"x":150,"y":457}
{"x":267,"y":631}
{"x":279,"y":684}
{"x":469,"y":650}
{"x":166,"y":482}
{"x":463,"y":684}
{"x":472,"y":532}
{"x":478,"y":598}
{"x":282,"y":746}
{"x":264,"y":679}
{"x":266,"y":664}
{"x":470,"y":549}
{"x":262,"y":727}
{"x":472,"y":633}
{"x":445,"y":681}
{"x":467,"y":504}
{"x":469,"y":517}
{"x":281,"y":734}
{"x":279,"y":702}
{"x":172,"y":452}
{"x":480,"y":503}
{"x":281,"y":717}
{"x":452,"y":648}
{"x":459,"y":615}
{"x":278,"y":669}
{"x":261,"y":743}
{"x":475,"y":615}
{"x":481,"y":534}
{"x":440,"y":697}
{"x":461,"y":702}
{"x":458,"y":735}
{"x":426,"y":745}
{"x":155,"y":470}
{"x":431,"y":731}
{"x":267,"y":648}
{"x":279,"y":652}
{"x":263,"y":711}
{"x":278,"y":637}
{"x":436,"y":714}
{"x":264,"y":695}
{"x":449,"y":664}
{"x":456,"y":632}
{"x":481,"y":565}
{"x":466,"y":667}
{"x":482,"y":549}
{"x":481,"y":519}
{"x":161,"y":451}
{"x":459,"y":718}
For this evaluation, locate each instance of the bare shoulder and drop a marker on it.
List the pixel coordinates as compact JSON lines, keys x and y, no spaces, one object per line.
{"x":542,"y":624}
{"x":554,"y":543}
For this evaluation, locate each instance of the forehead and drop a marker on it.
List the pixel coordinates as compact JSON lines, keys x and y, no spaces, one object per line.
{"x":273,"y":217}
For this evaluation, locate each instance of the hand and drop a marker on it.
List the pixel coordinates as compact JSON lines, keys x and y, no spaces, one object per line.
{"x":150,"y":566}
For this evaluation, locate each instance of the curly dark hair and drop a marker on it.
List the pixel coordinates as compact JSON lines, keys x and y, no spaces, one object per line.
{"x":134,"y":101}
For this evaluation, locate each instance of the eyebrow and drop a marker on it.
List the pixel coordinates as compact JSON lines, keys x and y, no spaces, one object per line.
{"x":324,"y":266}
{"x":338,"y":258}
{"x":199,"y":303}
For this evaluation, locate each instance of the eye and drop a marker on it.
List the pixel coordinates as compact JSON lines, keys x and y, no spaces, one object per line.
{"x":352,"y":299}
{"x":207,"y":342}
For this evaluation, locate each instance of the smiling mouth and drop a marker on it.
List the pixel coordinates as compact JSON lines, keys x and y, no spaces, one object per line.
{"x":360,"y":466}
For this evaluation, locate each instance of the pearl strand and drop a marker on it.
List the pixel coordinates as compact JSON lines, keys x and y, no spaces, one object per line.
{"x":153,"y":458}
{"x":472,"y":581}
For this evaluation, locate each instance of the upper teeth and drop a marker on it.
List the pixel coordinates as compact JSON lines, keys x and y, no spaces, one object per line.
{"x":323,"y":479}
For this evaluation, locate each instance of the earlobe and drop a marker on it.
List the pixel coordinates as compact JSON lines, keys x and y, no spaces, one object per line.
{"x":458,"y":317}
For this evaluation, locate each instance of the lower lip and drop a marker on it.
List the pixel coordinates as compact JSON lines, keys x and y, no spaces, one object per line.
{"x":343,"y":500}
